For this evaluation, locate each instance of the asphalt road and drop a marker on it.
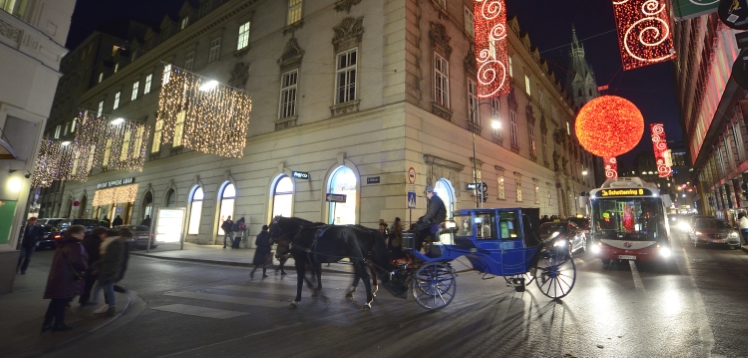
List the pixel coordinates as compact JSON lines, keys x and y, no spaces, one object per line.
{"x":693,"y":307}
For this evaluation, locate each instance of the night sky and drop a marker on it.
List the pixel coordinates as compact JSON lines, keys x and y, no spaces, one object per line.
{"x":547,"y":21}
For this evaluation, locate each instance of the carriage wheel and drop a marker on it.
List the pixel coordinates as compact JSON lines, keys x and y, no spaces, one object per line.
{"x":434,"y":286}
{"x":527,"y":276}
{"x":556,"y":273}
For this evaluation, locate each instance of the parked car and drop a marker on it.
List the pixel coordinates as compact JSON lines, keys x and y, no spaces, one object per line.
{"x":141,"y":234}
{"x":584,"y":226}
{"x":710,"y":231}
{"x":54,"y":228}
{"x":693,"y":218}
{"x":575,"y":237}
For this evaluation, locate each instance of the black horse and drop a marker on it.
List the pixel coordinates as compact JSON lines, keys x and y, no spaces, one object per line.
{"x":314,"y":245}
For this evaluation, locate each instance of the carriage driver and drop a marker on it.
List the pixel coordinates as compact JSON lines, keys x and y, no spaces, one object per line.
{"x":436,"y":213}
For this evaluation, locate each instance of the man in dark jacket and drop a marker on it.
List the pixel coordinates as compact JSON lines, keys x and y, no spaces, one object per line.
{"x":146,"y":221}
{"x":31,"y":235}
{"x":227,"y":225}
{"x":117,"y":221}
{"x":64,"y":282}
{"x":105,"y":222}
{"x":436,"y":213}
{"x":91,"y":243}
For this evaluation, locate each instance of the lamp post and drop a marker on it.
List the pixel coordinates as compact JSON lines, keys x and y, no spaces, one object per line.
{"x":478,"y":187}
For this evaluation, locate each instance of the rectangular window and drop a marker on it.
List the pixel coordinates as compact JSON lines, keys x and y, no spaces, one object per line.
{"x":537,"y":194}
{"x":100,"y":111}
{"x":533,"y":149}
{"x":125,"y":146}
{"x":167,"y":74}
{"x":101,"y":77}
{"x":294,"y":11}
{"x":473,"y":112}
{"x":116,"y":67}
{"x":288,"y":94}
{"x":72,"y":125}
{"x":135,"y":89}
{"x":243,"y":36}
{"x":346,"y":76}
{"x":189,"y":61}
{"x":157,"y":136}
{"x":496,"y":116}
{"x":107,"y":153}
{"x":215,"y":50}
{"x":468,"y":16}
{"x":515,"y":136}
{"x":527,"y":86}
{"x":568,"y":128}
{"x":67,"y":126}
{"x":57,"y":131}
{"x":184,"y":23}
{"x":116,"y":100}
{"x":179,"y":129}
{"x":147,"y":88}
{"x":137,"y":148}
{"x":511,"y":70}
{"x":519,"y":190}
{"x":502,"y":193}
{"x":441,"y":81}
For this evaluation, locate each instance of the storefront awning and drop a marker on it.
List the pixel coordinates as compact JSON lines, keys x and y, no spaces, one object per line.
{"x":116,"y":195}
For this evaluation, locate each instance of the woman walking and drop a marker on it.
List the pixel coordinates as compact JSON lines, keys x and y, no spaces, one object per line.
{"x":262,"y":252}
{"x":108,"y":269}
{"x":65,"y":278}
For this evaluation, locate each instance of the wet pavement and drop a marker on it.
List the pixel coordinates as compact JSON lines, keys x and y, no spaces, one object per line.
{"x":691,"y":307}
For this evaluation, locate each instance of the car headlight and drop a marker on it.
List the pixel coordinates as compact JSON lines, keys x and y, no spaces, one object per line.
{"x":698,"y":233}
{"x":559,"y":243}
{"x":684,"y":226}
{"x":734,"y":234}
{"x":554,"y":235}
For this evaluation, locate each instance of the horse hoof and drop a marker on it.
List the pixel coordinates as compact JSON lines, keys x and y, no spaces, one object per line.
{"x":349,"y":295}
{"x":315,"y":293}
{"x":294,"y":304}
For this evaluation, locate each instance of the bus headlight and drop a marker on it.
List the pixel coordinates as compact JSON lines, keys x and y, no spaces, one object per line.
{"x":595,"y":249}
{"x":665,"y":252}
{"x":684,"y":226}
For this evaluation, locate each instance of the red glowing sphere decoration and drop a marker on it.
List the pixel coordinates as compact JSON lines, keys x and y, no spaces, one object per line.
{"x":609,"y":126}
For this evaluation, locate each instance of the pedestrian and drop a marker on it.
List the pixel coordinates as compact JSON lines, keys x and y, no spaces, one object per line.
{"x":107,"y":269}
{"x":544,"y":219}
{"x":65,"y":277}
{"x":146,"y":221}
{"x":31,"y":236}
{"x":125,"y":234}
{"x":226,"y":227}
{"x":117,"y":221}
{"x":743,"y":225}
{"x":105,"y":222}
{"x":238,"y":229}
{"x":91,"y":243}
{"x":383,"y":228}
{"x":262,"y":252}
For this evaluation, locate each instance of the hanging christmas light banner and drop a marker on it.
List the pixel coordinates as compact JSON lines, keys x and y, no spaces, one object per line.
{"x":110,"y":143}
{"x":490,"y":33}
{"x":611,"y":167}
{"x":644,"y":34}
{"x":664,"y":165}
{"x":201,"y":114}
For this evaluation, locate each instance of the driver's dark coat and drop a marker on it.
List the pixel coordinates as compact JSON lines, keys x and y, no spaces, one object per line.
{"x":436,"y":211}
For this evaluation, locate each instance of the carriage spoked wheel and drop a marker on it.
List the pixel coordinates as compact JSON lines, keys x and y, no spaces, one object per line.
{"x":556,"y":273}
{"x":434,"y":286}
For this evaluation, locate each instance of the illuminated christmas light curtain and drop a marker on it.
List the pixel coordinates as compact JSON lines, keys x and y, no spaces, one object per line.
{"x":661,"y":153}
{"x":52,"y":163}
{"x":489,"y":18}
{"x":116,"y":195}
{"x":124,"y":145}
{"x":644,"y":34}
{"x":611,"y":167}
{"x":210,"y":117}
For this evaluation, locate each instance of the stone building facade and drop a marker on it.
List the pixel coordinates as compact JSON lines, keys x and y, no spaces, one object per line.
{"x":352,"y":93}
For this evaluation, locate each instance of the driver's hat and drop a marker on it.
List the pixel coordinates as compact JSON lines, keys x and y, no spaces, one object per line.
{"x":429,"y":189}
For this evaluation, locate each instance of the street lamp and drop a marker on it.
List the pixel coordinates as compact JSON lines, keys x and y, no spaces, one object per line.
{"x":584,"y":172}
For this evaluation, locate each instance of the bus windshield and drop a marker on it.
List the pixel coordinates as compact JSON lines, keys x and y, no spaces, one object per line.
{"x":628,"y":218}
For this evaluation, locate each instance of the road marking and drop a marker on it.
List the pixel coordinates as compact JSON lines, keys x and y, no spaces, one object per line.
{"x":705,"y":330}
{"x":637,"y":279}
{"x":247,"y":301}
{"x":200,"y":311}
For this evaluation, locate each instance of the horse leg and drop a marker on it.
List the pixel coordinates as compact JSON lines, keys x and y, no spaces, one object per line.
{"x":352,"y":289}
{"x":373,"y":271}
{"x":317,"y":268}
{"x":360,"y":268}
{"x":300,"y":272}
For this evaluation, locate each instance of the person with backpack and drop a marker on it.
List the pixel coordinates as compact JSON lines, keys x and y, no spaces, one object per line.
{"x":227,"y":232}
{"x":239,"y":229}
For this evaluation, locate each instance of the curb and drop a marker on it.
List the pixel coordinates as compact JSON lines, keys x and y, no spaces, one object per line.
{"x":130,"y":298}
{"x":217,"y":262}
{"x":744,"y":248}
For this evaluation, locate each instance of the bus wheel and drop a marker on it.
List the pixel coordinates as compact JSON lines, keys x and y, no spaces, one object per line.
{"x":606,"y":262}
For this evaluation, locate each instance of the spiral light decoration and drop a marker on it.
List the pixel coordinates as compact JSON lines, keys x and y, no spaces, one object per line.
{"x":611,"y":167}
{"x":489,"y":19}
{"x":644,"y":34}
{"x":662,"y":157}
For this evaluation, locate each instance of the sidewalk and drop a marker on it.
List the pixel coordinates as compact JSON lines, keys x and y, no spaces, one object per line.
{"x":217,"y":255}
{"x":23,"y":311}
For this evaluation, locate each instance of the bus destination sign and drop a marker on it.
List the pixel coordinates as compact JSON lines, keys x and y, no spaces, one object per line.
{"x":606,"y":193}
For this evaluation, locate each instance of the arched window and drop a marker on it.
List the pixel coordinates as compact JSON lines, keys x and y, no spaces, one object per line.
{"x":283,"y":197}
{"x":343,"y":181}
{"x":227,"y":197}
{"x":444,"y":189}
{"x":196,"y":210}
{"x":171,"y":199}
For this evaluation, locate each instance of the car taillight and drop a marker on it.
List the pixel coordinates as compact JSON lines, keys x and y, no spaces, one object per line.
{"x":58,"y":236}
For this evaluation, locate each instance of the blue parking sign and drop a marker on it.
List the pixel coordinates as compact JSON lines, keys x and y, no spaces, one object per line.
{"x":411,"y":200}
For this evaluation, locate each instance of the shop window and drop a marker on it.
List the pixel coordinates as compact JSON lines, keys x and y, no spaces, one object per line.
{"x":196,"y":211}
{"x":283,"y":197}
{"x":343,"y":181}
{"x":227,"y":198}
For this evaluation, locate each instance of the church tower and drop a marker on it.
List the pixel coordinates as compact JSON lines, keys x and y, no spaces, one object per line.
{"x":581,"y":82}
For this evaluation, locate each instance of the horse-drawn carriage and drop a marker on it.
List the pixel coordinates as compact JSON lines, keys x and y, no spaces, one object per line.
{"x":499,"y":242}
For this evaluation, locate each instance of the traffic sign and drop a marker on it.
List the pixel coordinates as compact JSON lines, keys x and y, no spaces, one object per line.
{"x":335,"y":198}
{"x":411,"y":200}
{"x":412,"y":175}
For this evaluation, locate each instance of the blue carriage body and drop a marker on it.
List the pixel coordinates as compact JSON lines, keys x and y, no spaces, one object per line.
{"x":495,"y":241}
